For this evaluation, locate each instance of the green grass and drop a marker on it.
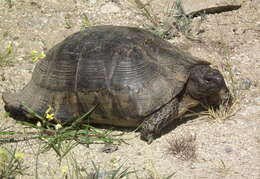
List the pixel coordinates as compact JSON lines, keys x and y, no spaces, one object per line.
{"x":62,"y":140}
{"x":157,"y":27}
{"x":11,"y":163}
{"x":85,"y":22}
{"x":66,"y":136}
{"x":73,"y":170}
{"x":67,"y":23}
{"x":182,"y":21}
{"x":7,"y":55}
{"x":36,"y":56}
{"x":161,"y":31}
{"x":118,"y":173}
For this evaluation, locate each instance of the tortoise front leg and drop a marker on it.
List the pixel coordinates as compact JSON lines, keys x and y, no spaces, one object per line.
{"x":153,"y":125}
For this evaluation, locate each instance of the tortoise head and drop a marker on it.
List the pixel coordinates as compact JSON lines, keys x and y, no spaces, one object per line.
{"x":208,"y":86}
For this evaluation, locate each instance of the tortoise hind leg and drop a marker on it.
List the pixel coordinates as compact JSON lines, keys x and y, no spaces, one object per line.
{"x":154,"y":124}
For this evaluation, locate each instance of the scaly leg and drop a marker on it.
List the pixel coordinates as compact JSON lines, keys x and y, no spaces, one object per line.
{"x":153,"y":125}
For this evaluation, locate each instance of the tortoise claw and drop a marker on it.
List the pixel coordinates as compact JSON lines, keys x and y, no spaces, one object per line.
{"x":150,"y":139}
{"x":147,"y":136}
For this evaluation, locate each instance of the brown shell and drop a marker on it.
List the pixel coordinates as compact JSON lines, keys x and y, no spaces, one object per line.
{"x":128,"y":72}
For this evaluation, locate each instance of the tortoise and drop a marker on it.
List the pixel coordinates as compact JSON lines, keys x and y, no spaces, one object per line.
{"x":133,"y":76}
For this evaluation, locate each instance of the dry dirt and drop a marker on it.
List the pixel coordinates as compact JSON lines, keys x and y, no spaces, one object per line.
{"x":229,"y":148}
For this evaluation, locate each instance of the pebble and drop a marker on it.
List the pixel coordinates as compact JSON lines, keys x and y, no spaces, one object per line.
{"x":235,"y":71}
{"x":228,"y":149}
{"x":109,"y":148}
{"x":245,"y":84}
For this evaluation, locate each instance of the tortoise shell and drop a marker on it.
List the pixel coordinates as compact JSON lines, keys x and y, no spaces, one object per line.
{"x":128,"y":72}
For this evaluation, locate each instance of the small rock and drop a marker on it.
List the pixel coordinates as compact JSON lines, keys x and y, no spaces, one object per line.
{"x":3,"y":77}
{"x":109,"y":148}
{"x":235,"y":71}
{"x":258,"y":140}
{"x":35,"y":4}
{"x":245,"y":84}
{"x":257,"y":100}
{"x":15,"y":38}
{"x":110,"y":7}
{"x":228,"y":149}
{"x":139,"y":153}
{"x":195,"y":7}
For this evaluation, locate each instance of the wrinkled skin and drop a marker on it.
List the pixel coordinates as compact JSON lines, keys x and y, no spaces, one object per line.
{"x":208,"y":86}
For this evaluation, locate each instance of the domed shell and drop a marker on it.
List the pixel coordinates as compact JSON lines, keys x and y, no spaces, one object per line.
{"x":127,"y":72}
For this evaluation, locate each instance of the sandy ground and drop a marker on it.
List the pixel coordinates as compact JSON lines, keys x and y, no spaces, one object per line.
{"x":229,"y":148}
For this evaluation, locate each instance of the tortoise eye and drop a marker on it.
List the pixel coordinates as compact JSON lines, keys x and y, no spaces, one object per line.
{"x":209,"y":79}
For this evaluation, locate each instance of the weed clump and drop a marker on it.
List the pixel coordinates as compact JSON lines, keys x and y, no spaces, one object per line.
{"x":63,"y":137}
{"x":11,"y":163}
{"x":120,"y":172}
{"x":176,"y":21}
{"x":85,"y":22}
{"x":183,"y":147}
{"x":7,"y":55}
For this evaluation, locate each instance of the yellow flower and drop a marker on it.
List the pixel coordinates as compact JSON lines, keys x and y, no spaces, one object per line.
{"x":19,"y":155}
{"x":49,"y":117}
{"x":65,"y":169}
